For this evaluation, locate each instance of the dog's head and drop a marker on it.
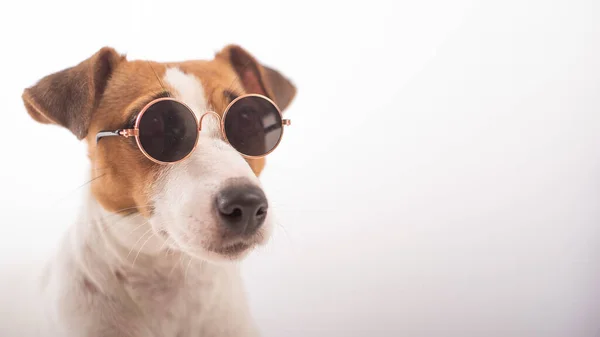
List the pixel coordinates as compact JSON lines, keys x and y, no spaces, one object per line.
{"x":209,"y":205}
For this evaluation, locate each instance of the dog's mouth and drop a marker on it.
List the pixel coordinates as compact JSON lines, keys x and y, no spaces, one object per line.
{"x":232,"y":250}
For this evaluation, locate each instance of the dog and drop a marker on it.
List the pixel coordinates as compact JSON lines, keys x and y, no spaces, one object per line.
{"x":156,"y":246}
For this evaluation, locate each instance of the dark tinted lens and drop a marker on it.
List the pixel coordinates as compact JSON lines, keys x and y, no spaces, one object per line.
{"x":168,"y":131}
{"x":253,"y":126}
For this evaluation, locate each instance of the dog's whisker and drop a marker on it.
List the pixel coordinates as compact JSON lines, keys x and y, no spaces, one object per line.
{"x":174,"y":267}
{"x":164,"y":243}
{"x":141,"y":237}
{"x":186,"y":269}
{"x":133,"y":207}
{"x":138,"y":227}
{"x":142,"y":247}
{"x":104,"y":227}
{"x":236,"y":78}
{"x":79,"y":187}
{"x":158,"y":79}
{"x":114,"y":224}
{"x":131,"y":215}
{"x":91,"y":180}
{"x":285,"y":232}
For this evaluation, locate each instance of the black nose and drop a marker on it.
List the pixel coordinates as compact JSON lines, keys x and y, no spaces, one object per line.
{"x":242,"y":208}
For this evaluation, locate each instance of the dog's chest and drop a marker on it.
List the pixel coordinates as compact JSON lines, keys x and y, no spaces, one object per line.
{"x":178,"y":303}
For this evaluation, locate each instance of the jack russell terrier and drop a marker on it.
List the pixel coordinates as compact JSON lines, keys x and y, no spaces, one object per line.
{"x":175,"y":200}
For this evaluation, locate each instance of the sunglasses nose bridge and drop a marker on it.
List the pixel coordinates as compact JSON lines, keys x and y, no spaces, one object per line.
{"x":216,"y":115}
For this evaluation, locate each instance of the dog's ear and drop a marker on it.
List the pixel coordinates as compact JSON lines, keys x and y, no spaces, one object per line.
{"x":69,"y":97}
{"x":257,"y":78}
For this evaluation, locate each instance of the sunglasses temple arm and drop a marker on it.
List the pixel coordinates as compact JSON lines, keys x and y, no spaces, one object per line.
{"x":103,"y":134}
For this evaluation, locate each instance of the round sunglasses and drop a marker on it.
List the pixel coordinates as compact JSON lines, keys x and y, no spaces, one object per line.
{"x":167,"y":131}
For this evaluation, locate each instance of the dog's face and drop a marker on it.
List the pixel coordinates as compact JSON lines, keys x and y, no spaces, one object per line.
{"x":209,"y":205}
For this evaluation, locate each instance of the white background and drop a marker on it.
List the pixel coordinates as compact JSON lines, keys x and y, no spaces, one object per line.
{"x":441,"y":176}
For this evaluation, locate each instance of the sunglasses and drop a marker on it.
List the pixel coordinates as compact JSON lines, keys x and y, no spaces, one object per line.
{"x":167,"y":131}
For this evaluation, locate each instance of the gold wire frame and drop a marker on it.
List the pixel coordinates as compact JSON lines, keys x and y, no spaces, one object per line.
{"x":135,"y":132}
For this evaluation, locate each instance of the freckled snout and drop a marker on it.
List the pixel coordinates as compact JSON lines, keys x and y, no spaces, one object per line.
{"x":242,"y":208}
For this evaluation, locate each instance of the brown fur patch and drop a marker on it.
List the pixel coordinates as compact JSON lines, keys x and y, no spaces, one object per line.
{"x":126,"y":174}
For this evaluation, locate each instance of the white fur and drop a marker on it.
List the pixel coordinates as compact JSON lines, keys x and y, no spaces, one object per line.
{"x":176,"y":287}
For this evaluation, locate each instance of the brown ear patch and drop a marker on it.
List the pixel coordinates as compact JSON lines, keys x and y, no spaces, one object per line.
{"x":248,"y":71}
{"x":283,"y":90}
{"x":257,"y":78}
{"x":69,"y":97}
